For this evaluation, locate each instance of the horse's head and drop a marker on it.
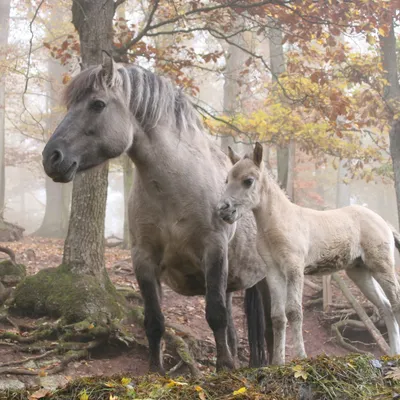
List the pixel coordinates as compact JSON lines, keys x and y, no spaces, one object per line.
{"x":98,"y":124}
{"x":244,"y":185}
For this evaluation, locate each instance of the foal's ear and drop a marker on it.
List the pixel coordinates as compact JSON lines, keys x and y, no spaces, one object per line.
{"x":233,"y":156}
{"x":258,"y":154}
{"x":109,"y":68}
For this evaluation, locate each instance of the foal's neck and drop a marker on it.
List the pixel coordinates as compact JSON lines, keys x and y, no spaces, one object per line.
{"x":273,"y":201}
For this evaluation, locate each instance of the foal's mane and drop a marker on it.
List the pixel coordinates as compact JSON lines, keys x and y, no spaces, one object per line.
{"x":150,"y":97}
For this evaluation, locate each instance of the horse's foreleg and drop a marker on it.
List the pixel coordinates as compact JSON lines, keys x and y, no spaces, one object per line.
{"x":150,"y":288}
{"x":216,"y":270}
{"x":294,"y":310}
{"x":232,"y":336}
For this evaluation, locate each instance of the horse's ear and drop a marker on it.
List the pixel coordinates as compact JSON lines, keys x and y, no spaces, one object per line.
{"x":258,"y":154}
{"x":233,"y":156}
{"x":109,"y":68}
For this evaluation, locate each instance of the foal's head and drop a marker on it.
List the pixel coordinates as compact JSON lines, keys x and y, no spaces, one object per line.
{"x":244,"y":185}
{"x":98,"y":124}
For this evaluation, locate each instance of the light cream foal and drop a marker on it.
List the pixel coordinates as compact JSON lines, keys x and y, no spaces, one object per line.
{"x":294,"y":241}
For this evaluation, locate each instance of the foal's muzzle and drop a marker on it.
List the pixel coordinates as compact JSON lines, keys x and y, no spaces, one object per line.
{"x":227,"y":211}
{"x":57,"y":164}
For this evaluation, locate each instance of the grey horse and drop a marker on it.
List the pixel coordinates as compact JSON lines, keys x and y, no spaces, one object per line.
{"x":177,"y":236}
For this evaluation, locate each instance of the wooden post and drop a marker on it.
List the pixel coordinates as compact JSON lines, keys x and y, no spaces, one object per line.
{"x":327,"y":292}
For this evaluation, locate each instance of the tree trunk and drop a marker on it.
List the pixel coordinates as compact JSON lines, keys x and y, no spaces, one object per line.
{"x":84,"y":245}
{"x":4,"y":17}
{"x":392,"y":96}
{"x":235,"y":60}
{"x":58,"y":196}
{"x":56,"y":215}
{"x":285,"y":154}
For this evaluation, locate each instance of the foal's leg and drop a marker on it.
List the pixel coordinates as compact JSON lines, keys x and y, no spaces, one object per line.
{"x":216,"y":270}
{"x":276,"y":279}
{"x":232,"y":336}
{"x":294,"y":309}
{"x":150,"y":288}
{"x":362,"y":277}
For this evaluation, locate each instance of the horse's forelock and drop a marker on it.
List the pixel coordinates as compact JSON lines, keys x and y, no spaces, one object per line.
{"x":93,"y":79}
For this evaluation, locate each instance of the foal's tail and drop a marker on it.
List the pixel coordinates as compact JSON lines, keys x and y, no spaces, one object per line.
{"x":396,"y":236}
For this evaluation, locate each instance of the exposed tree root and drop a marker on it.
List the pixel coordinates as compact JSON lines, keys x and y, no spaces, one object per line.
{"x":9,"y":252}
{"x":341,"y":340}
{"x":176,"y":343}
{"x":362,"y":315}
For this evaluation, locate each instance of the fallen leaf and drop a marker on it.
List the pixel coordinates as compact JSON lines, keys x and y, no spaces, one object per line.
{"x":299,"y":372}
{"x":126,"y":381}
{"x":242,"y":390}
{"x":39,"y":394}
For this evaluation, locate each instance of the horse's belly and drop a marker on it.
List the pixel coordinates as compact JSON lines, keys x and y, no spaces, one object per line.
{"x":328,"y":265}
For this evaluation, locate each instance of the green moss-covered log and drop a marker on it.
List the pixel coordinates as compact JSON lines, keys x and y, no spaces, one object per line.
{"x":58,"y":292}
{"x":350,"y":377}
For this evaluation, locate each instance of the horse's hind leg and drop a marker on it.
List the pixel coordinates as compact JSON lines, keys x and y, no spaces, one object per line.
{"x":232,"y":336}
{"x":216,"y":268}
{"x":150,"y":288}
{"x":362,"y":277}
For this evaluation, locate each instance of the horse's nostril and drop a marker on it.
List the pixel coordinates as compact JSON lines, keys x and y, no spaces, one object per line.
{"x":56,"y":157}
{"x":225,"y":205}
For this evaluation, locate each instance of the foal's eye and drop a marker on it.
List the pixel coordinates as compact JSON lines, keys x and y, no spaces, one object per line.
{"x":97,"y":105}
{"x":248,"y":182}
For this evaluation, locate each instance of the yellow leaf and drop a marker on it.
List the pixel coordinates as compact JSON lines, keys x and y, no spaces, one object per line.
{"x":299,"y":372}
{"x":83,"y":395}
{"x":198,"y":388}
{"x":173,"y":383}
{"x":91,"y":326}
{"x":110,"y":384}
{"x":113,"y":397}
{"x":242,"y":390}
{"x":202,"y":396}
{"x":126,"y":381}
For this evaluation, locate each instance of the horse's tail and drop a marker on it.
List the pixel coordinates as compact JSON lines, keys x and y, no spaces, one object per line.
{"x":254,"y":310}
{"x":396,"y":236}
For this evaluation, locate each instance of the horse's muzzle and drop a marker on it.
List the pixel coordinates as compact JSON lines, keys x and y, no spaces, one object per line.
{"x":57,"y":165}
{"x":227,"y":211}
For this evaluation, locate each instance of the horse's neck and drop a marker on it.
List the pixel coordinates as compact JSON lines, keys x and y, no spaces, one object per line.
{"x":274,"y":203}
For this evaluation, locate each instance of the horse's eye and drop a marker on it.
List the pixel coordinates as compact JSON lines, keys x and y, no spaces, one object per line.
{"x":226,"y":181}
{"x":98,"y":105}
{"x":248,"y":182}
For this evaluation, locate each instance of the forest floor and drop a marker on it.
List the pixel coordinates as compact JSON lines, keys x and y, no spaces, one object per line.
{"x":185,"y":312}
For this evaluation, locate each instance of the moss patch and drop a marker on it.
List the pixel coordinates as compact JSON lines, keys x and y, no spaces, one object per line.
{"x":57,"y":292}
{"x":350,"y":377}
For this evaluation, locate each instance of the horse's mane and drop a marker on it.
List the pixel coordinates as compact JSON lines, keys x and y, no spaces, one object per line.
{"x":151,"y":97}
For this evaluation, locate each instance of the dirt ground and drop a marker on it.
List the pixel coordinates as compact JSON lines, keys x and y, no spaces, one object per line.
{"x":37,"y":253}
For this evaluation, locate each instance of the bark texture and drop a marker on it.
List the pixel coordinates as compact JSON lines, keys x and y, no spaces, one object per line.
{"x":392,"y":96}
{"x":4,"y":17}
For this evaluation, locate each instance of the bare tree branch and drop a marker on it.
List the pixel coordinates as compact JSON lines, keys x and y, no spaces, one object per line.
{"x":227,"y":5}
